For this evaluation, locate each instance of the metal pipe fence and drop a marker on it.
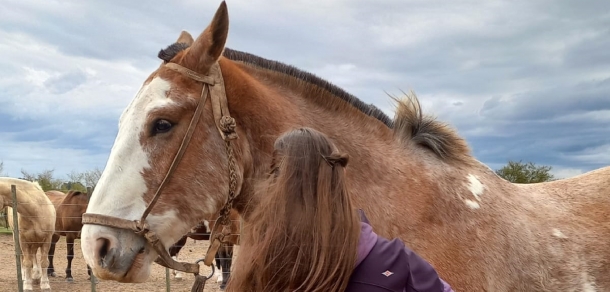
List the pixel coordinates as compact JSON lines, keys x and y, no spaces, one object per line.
{"x":160,"y":279}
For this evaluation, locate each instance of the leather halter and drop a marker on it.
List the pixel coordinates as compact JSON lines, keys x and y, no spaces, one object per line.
{"x":213,"y":85}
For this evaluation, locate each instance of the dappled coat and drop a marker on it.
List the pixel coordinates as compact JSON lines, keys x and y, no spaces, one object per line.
{"x":388,"y":265}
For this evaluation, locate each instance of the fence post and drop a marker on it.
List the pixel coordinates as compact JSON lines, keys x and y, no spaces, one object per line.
{"x":16,"y":239}
{"x":167,"y":280}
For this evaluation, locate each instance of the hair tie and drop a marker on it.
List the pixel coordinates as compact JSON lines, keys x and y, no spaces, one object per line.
{"x":335,"y":159}
{"x":327,"y":160}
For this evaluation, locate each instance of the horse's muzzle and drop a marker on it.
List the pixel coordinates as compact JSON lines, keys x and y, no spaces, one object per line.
{"x":115,"y":254}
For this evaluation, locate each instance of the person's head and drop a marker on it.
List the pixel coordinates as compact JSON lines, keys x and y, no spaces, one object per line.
{"x":304,"y":233}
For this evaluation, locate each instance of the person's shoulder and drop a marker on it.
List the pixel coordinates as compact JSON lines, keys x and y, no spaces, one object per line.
{"x":392,"y":266}
{"x":386,"y":268}
{"x":363,"y":217}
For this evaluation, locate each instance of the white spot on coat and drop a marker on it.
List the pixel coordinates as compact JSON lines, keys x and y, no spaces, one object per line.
{"x":589,"y":285}
{"x":472,"y":204}
{"x":557,"y":233}
{"x":475,"y":187}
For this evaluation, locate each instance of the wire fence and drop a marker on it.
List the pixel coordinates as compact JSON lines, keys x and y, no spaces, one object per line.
{"x":70,"y":270}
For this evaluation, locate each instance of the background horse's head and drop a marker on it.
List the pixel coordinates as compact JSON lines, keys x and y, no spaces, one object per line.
{"x":151,"y":130}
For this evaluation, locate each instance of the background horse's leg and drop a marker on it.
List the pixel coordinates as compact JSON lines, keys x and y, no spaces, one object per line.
{"x":225,"y":253}
{"x":27,"y":265}
{"x":218,"y":270}
{"x":51,"y":269}
{"x":173,"y":252}
{"x":70,"y":256}
{"x":44,"y":263}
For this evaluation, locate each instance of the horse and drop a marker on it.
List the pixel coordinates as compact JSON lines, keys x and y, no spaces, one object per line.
{"x":224,"y":256}
{"x":69,"y":209}
{"x":199,"y":134}
{"x":36,"y":218}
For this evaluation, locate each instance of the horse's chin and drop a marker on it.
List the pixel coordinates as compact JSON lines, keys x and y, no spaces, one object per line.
{"x":137,"y":273}
{"x":140,"y":268}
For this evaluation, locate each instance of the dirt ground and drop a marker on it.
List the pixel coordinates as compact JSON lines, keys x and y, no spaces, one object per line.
{"x":191,"y":252}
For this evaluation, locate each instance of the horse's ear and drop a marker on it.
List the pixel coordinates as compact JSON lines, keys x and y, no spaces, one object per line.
{"x":185,"y":38}
{"x":208,"y":47}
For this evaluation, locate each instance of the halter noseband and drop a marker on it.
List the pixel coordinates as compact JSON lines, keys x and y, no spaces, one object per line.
{"x":213,"y":85}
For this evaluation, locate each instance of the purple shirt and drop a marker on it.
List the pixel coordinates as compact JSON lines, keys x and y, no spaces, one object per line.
{"x":388,"y":265}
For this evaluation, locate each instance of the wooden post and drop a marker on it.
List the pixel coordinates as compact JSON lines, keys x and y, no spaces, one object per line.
{"x":16,"y":239}
{"x":167,"y":281}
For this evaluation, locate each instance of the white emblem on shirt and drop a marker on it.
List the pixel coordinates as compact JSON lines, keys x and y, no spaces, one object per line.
{"x":387,"y":273}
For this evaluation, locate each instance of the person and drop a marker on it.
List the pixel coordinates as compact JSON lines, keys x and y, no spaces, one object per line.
{"x":305,"y":234}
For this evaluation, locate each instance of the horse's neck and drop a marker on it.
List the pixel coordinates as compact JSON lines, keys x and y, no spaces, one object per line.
{"x":378,"y":165}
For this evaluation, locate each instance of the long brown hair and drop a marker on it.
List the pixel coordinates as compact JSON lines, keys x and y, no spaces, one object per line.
{"x":303,"y":236}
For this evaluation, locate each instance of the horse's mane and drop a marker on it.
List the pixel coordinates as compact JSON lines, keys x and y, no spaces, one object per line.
{"x":76,"y":196}
{"x":409,"y":124}
{"x":36,"y":184}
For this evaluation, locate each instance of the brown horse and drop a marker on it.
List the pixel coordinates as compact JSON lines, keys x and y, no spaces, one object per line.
{"x":69,"y":209}
{"x":224,"y":256}
{"x":413,"y":176}
{"x":35,"y":215}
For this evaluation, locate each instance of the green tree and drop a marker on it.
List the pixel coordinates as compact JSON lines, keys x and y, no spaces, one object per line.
{"x":525,"y":173}
{"x":45,"y":179}
{"x":85,"y":179}
{"x":91,"y":177}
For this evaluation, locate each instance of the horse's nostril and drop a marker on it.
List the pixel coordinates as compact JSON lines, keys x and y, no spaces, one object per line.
{"x":103,"y":245}
{"x":141,"y":250}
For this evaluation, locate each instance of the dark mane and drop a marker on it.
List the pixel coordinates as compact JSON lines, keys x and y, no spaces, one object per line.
{"x":369,"y":109}
{"x":73,"y":193}
{"x":409,"y":124}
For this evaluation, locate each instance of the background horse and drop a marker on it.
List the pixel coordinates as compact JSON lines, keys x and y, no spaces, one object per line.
{"x":224,"y":256}
{"x":69,"y":209}
{"x":413,"y":176}
{"x":36,"y":218}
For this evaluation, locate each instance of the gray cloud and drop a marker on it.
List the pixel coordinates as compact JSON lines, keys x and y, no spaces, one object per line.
{"x":520,"y":80}
{"x":65,"y":82}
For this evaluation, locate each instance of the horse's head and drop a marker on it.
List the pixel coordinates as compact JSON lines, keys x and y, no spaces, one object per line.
{"x":151,"y":132}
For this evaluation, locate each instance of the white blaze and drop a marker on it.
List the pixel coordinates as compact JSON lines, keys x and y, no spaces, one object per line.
{"x":120,"y":189}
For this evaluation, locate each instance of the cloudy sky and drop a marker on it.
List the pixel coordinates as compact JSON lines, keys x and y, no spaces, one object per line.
{"x":520,"y":80}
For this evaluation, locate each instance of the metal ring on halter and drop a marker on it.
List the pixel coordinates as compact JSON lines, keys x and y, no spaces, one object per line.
{"x":213,"y":268}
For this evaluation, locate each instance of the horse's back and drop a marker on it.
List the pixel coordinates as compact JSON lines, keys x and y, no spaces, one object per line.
{"x":70,"y":212}
{"x":573,"y":217}
{"x":56,"y":197}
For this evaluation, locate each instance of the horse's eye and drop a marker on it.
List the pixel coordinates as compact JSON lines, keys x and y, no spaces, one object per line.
{"x":162,"y":126}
